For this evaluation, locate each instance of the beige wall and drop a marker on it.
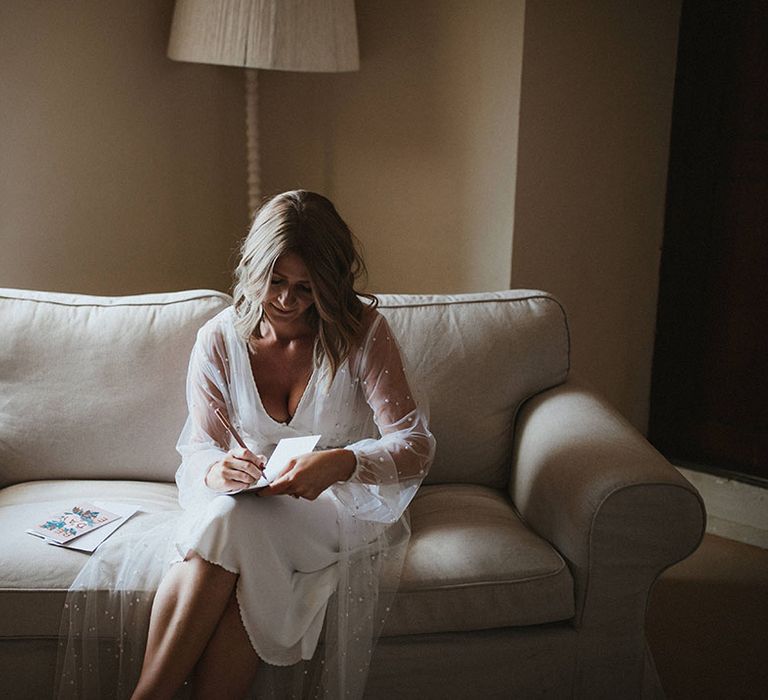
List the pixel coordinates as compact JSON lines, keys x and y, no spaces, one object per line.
{"x":120,"y":170}
{"x":592,"y":160}
{"x":418,"y":148}
{"x":123,"y":172}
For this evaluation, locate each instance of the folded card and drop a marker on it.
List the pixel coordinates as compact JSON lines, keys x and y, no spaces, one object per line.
{"x":286,"y":450}
{"x":64,"y":526}
{"x":90,"y":541}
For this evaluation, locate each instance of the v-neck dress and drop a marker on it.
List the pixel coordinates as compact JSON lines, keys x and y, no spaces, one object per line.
{"x":304,"y":393}
{"x":285,"y":550}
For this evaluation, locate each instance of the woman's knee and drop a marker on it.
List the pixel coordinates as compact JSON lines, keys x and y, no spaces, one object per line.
{"x":236,"y":513}
{"x":205,"y":571}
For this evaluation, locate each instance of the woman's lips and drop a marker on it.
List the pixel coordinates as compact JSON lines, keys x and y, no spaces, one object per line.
{"x":285,"y":312}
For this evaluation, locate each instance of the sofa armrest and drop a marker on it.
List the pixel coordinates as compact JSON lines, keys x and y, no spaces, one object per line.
{"x":613,"y":506}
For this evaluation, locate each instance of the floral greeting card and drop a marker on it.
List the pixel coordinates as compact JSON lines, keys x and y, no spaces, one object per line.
{"x":67,"y":525}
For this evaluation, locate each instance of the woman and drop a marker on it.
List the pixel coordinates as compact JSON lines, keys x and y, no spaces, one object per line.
{"x":254,"y":574}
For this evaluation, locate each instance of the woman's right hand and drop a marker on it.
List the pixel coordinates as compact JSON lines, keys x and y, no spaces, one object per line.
{"x":236,"y":471}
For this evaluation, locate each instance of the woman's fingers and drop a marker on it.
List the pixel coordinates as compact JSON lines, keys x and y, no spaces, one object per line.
{"x":237,"y":470}
{"x":283,"y":483}
{"x":245,"y":466}
{"x":278,"y":486}
{"x":234,"y":478}
{"x":294,"y":481}
{"x":246,"y":455}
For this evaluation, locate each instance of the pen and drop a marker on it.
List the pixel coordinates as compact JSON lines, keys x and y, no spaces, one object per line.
{"x":223,"y":419}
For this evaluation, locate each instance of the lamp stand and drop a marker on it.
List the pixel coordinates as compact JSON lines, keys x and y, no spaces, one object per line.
{"x":252,"y":140}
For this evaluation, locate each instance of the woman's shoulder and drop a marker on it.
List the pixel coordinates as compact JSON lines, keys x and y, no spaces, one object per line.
{"x":213,"y":334}
{"x":370,"y":315}
{"x":376,"y":330}
{"x":371,"y":319}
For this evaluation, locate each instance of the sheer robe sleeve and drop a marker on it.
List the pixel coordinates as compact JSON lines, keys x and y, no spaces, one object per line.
{"x":203,"y":439}
{"x":389,"y":469}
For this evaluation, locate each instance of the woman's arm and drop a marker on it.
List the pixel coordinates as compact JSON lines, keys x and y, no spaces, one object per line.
{"x":208,"y":467}
{"x":389,"y":469}
{"x":374,"y":478}
{"x":309,"y":475}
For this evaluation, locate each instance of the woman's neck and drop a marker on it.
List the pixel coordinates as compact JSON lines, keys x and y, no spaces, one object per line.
{"x":285,"y":333}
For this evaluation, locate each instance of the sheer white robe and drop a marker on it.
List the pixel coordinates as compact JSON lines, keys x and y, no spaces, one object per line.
{"x":292,"y":556}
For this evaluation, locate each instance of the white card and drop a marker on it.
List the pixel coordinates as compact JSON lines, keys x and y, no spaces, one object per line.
{"x":286,"y":450}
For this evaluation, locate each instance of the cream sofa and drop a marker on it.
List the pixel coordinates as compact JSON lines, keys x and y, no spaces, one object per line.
{"x":545,"y":519}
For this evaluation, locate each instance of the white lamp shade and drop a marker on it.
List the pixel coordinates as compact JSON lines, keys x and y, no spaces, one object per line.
{"x":296,"y":35}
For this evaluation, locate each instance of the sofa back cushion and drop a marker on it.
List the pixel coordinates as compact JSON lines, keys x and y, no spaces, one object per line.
{"x":477,"y":357}
{"x":93,"y":387}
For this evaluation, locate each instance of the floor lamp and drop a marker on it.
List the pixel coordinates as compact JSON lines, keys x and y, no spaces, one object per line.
{"x":295,"y":35}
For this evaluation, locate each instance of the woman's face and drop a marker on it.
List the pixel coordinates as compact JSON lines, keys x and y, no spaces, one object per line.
{"x":290,"y":290}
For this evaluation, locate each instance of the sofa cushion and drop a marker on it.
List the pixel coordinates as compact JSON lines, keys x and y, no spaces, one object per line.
{"x":93,"y":387}
{"x":120,"y":362}
{"x":478,"y":357}
{"x":34,"y":575}
{"x":473,"y":564}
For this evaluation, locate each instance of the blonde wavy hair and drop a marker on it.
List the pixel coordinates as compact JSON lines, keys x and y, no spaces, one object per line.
{"x":307,"y":224}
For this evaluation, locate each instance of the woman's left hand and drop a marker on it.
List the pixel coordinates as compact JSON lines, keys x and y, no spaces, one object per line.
{"x":309,"y":475}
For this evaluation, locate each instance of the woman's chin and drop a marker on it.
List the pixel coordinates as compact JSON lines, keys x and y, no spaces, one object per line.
{"x":275,"y":315}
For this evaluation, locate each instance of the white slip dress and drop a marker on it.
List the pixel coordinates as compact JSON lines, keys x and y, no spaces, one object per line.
{"x":286,"y":553}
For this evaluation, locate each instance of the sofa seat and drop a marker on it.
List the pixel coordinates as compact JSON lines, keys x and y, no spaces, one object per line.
{"x":36,"y":575}
{"x":472,"y":563}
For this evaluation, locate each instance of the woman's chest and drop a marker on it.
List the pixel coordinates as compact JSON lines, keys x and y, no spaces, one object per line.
{"x":281,"y":376}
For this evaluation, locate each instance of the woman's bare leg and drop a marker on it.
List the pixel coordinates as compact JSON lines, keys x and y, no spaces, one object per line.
{"x":228,"y":665}
{"x":186,"y":611}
